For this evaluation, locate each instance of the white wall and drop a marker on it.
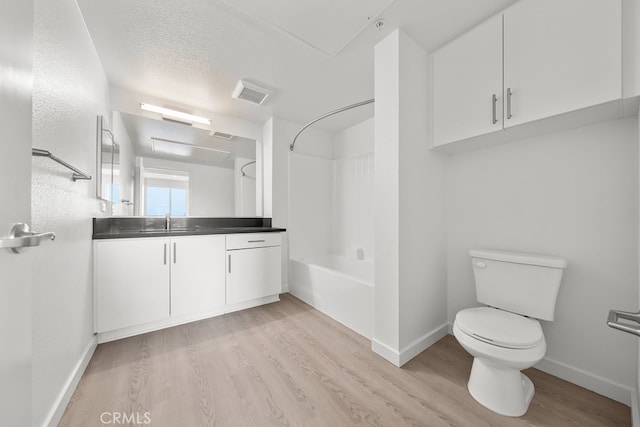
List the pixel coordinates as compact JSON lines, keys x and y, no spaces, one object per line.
{"x":277,"y":135}
{"x":311,"y":205}
{"x":635,"y":404}
{"x":573,"y":194}
{"x":410,"y":280}
{"x":70,"y":90}
{"x":211,"y":189}
{"x":353,"y":212}
{"x":331,"y":200}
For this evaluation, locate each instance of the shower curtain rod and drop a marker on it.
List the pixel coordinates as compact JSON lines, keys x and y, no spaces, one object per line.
{"x":339,"y":110}
{"x":244,"y":166}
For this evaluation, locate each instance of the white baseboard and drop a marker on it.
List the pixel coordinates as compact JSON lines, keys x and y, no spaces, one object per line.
{"x":597,"y":384}
{"x":155,"y":326}
{"x":385,"y":351}
{"x":410,"y":351}
{"x":60,"y":404}
{"x":635,"y":416}
{"x":172,"y":321}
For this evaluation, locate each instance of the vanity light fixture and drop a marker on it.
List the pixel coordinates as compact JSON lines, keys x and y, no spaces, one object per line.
{"x":174,"y":114}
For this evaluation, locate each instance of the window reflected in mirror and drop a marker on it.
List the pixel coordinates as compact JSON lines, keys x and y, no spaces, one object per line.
{"x":165,"y":192}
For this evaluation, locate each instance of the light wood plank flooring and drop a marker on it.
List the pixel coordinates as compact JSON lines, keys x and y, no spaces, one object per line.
{"x":286,"y":364}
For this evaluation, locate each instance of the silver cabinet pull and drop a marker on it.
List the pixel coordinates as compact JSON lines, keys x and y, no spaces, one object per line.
{"x":255,"y":241}
{"x":20,"y":237}
{"x":165,"y":254}
{"x":613,"y":320}
{"x":175,"y":251}
{"x":229,"y":263}
{"x":494,"y":101}
{"x":509,"y":93}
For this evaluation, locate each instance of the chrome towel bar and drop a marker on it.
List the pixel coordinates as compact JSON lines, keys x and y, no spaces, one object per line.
{"x":614,"y":321}
{"x":77,"y":174}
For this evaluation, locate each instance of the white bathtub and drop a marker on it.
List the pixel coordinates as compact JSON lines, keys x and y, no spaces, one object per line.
{"x":338,"y":287}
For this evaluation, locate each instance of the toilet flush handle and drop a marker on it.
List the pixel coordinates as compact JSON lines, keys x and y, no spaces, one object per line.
{"x":480,"y":264}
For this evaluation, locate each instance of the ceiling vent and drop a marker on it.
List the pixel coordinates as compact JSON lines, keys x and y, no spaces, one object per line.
{"x":221,"y":135}
{"x":250,"y":93}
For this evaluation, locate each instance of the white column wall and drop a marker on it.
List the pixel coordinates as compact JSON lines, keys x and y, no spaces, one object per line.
{"x":410,"y":272}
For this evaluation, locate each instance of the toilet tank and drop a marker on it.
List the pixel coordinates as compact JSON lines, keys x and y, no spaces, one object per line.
{"x":525,"y":284}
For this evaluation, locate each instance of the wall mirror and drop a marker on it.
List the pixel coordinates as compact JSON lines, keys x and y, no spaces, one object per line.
{"x":182,"y":170}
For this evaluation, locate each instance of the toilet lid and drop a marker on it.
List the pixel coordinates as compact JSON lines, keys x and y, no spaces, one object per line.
{"x":499,"y":327}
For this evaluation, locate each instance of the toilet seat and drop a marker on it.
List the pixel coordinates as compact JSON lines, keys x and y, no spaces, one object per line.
{"x":500,"y":328}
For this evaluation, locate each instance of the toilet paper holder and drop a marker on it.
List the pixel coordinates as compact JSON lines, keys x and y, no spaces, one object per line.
{"x":614,"y":321}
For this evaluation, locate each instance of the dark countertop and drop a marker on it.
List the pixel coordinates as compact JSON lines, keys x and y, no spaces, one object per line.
{"x":137,"y":227}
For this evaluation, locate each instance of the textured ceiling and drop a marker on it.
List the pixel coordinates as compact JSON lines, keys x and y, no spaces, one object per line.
{"x":325,"y":25}
{"x":193,"y":53}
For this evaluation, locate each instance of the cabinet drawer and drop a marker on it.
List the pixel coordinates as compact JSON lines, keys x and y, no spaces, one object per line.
{"x":252,"y":240}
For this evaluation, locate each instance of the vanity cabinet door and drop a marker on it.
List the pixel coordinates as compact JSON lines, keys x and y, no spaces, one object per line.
{"x":467,"y":84}
{"x":560,"y":56}
{"x":131,"y":282}
{"x":197,"y":274}
{"x":253,"y":273}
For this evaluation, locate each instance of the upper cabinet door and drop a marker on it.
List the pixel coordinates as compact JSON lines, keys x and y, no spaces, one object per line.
{"x":560,"y":56}
{"x":467,"y":84}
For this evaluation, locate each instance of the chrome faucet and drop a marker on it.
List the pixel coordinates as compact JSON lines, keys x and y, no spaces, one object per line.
{"x":167,"y":223}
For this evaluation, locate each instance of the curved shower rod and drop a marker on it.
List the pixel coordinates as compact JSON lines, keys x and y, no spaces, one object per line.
{"x":339,"y":110}
{"x":244,"y":166}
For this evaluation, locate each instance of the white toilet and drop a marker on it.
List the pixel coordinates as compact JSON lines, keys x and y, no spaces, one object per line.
{"x":506,"y":337}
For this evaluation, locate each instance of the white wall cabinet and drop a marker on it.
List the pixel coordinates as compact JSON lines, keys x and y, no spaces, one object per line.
{"x":541,"y":58}
{"x":467,"y":84}
{"x":561,"y":56}
{"x":132,"y":282}
{"x":197,"y":274}
{"x":253,"y":267}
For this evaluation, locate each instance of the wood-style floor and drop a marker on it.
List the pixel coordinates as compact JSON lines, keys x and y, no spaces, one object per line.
{"x":287,"y":364}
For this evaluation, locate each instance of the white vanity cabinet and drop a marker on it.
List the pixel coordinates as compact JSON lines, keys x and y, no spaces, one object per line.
{"x":537,"y":59}
{"x":149,"y":283}
{"x":139,"y":281}
{"x":197,"y":274}
{"x":131,"y":282}
{"x":253,"y":267}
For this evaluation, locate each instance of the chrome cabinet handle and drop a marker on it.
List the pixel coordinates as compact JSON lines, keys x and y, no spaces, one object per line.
{"x":255,"y":241}
{"x":165,"y":254}
{"x":494,"y":101}
{"x":509,"y":93}
{"x":229,"y":263}
{"x":20,"y":237}
{"x":616,"y":315}
{"x":175,"y":251}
